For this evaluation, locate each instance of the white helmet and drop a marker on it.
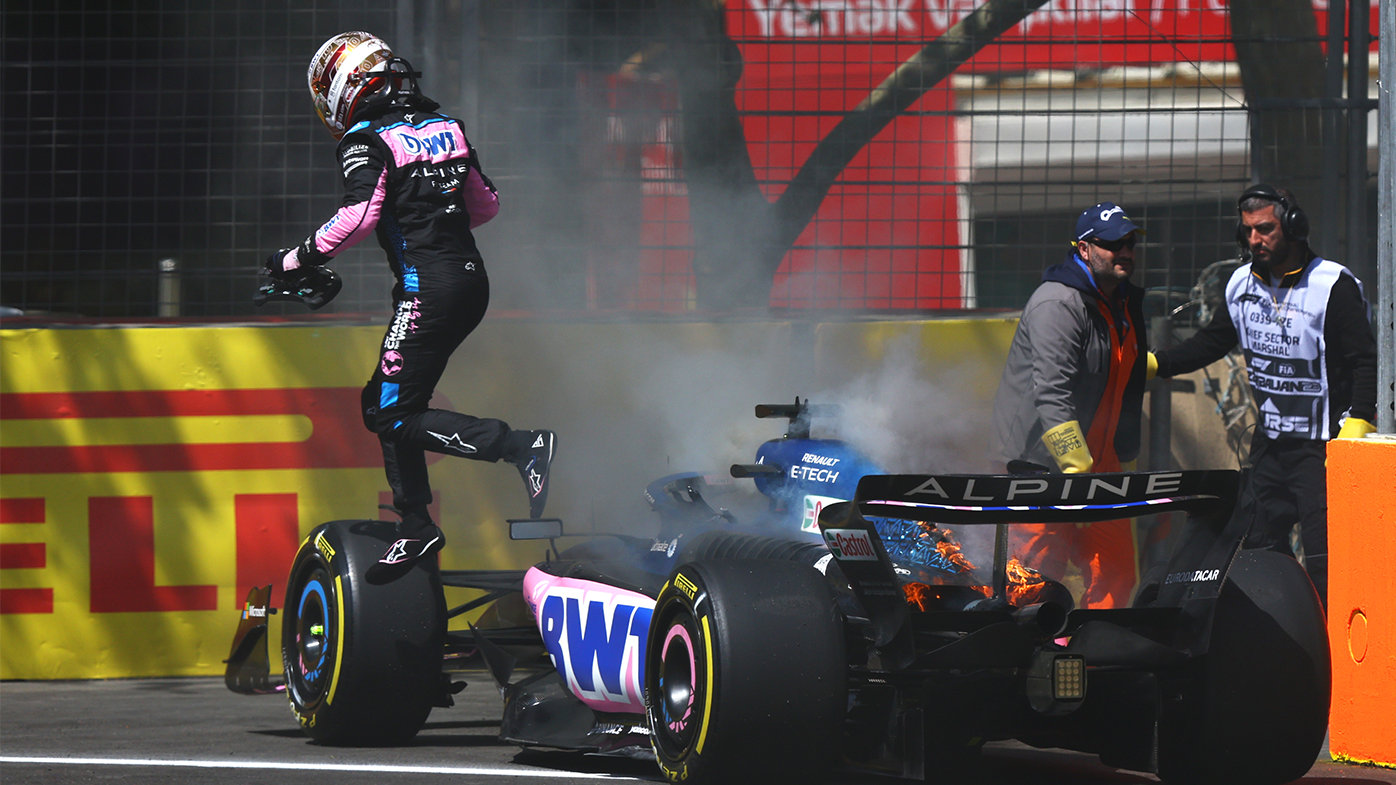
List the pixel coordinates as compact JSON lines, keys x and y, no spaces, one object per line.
{"x":337,"y":76}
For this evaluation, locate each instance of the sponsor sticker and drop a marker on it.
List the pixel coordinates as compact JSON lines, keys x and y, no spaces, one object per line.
{"x":850,"y":544}
{"x":1198,"y":576}
{"x":813,"y":506}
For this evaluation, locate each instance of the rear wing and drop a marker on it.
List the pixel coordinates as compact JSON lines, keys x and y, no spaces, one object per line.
{"x":1045,"y":498}
{"x":1193,"y":573}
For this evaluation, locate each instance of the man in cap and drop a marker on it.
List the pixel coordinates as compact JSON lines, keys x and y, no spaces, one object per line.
{"x":1071,"y":393}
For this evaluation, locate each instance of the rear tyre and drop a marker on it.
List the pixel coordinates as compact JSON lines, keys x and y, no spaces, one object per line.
{"x":745,"y":677}
{"x":362,"y":662}
{"x":1256,"y":709}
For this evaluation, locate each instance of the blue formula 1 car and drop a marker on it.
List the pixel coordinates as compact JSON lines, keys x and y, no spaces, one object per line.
{"x":844,"y":625}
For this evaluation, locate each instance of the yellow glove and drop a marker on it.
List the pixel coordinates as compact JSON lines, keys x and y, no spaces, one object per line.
{"x":1354,"y":428}
{"x":1067,"y":444}
{"x":1150,"y":367}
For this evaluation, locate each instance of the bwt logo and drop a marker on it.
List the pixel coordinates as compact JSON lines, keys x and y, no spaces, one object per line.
{"x":850,"y":544}
{"x":436,"y":144}
{"x":597,"y":640}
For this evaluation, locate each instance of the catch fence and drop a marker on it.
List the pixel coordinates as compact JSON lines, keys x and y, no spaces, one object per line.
{"x":681,"y":157}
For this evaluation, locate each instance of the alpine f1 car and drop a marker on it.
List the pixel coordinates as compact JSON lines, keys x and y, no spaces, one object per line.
{"x":843,"y":626}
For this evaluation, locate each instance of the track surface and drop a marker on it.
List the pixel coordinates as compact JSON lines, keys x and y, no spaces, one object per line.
{"x":194,"y":730}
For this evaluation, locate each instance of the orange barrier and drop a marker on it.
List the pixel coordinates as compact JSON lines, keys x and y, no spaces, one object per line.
{"x":1362,"y":599}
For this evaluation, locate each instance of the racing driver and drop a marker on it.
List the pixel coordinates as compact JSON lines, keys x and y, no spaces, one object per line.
{"x":412,"y":177}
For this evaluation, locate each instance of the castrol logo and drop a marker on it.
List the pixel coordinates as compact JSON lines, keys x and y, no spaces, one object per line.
{"x":850,"y":544}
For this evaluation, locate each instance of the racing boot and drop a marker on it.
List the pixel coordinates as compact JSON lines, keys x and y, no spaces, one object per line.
{"x":534,"y":464}
{"x":420,"y":538}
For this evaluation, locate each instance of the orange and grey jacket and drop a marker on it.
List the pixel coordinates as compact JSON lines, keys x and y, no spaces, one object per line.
{"x":1079,"y":356}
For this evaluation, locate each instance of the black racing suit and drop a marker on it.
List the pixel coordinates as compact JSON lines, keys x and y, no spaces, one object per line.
{"x":413,"y":177}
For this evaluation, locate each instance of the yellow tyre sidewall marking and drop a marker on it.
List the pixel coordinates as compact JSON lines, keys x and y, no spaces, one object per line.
{"x":338,"y":637}
{"x":707,"y":687}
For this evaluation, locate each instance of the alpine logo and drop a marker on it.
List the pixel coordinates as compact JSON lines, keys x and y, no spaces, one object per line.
{"x":850,"y":544}
{"x":537,"y":442}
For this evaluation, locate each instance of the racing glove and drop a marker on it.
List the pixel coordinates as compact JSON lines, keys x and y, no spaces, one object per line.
{"x":1151,"y":367}
{"x":277,"y":265}
{"x":1354,"y":428}
{"x":1067,"y":444}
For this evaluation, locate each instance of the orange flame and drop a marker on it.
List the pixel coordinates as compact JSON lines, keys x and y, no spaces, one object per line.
{"x":946,"y":545}
{"x":922,"y":594}
{"x":917,"y":594}
{"x":1025,"y":584}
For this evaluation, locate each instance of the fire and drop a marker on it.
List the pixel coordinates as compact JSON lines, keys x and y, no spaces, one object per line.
{"x":917,"y":594}
{"x":946,"y":545}
{"x":1025,"y":584}
{"x":923,"y":595}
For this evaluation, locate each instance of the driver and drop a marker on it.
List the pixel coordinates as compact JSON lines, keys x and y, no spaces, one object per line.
{"x":412,"y":177}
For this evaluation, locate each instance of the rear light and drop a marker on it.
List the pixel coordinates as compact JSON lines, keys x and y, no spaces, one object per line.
{"x":1056,"y":682}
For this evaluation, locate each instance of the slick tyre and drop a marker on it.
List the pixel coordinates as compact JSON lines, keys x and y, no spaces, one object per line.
{"x":362,"y":662}
{"x":745,"y":676}
{"x":1255,"y":709}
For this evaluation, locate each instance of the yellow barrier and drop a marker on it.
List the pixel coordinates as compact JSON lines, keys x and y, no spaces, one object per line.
{"x":149,"y":476}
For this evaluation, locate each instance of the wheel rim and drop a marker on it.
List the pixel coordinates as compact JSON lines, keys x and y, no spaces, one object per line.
{"x":680,"y":688}
{"x":310,"y":648}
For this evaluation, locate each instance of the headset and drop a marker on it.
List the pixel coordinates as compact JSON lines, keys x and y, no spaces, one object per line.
{"x":1293,"y":222}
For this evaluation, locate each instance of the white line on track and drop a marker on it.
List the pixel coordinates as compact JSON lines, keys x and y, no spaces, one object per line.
{"x":219,"y":764}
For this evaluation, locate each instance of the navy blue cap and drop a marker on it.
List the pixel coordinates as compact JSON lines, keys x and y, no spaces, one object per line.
{"x":1107,"y":221}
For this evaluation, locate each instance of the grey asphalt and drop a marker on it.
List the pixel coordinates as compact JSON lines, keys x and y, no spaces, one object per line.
{"x":194,"y":730}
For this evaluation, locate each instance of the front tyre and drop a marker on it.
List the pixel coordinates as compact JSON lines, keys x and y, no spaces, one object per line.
{"x":362,"y":662}
{"x":745,"y":677}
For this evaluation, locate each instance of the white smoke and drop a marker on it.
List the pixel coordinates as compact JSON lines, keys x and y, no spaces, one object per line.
{"x":909,"y":418}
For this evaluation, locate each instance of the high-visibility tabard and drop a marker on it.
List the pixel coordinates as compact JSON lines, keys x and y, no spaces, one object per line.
{"x":1281,"y":331}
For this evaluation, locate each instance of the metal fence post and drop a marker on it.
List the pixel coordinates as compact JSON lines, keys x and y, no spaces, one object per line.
{"x":1359,"y":46}
{"x":168,"y":302}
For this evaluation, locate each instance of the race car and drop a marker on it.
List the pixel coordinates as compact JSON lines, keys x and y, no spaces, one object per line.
{"x":845,"y":626}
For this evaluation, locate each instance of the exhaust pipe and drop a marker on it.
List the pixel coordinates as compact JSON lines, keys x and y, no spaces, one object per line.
{"x":1042,"y":620}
